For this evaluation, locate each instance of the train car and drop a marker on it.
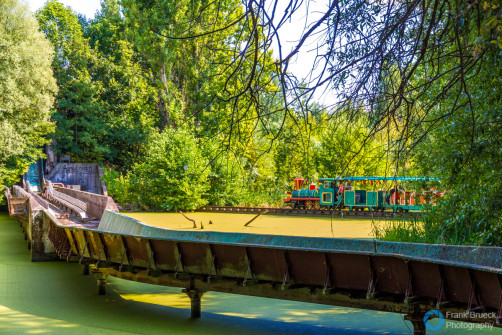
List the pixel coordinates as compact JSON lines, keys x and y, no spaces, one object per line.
{"x":307,"y":198}
{"x":330,"y":195}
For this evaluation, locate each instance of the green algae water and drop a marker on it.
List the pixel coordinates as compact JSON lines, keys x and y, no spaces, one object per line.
{"x":264,"y":224}
{"x":55,"y":298}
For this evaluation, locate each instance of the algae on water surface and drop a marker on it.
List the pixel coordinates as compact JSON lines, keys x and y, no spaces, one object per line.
{"x":265,"y":224}
{"x":55,"y":298}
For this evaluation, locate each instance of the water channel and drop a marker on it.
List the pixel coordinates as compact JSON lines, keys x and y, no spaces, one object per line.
{"x":55,"y":298}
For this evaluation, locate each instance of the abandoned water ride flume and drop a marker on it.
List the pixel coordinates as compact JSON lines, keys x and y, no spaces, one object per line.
{"x":406,"y":278}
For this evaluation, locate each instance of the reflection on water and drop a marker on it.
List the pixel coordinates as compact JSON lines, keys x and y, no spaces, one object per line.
{"x":54,"y":298}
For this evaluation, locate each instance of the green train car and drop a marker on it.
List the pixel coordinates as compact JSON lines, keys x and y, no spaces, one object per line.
{"x":338,"y":193}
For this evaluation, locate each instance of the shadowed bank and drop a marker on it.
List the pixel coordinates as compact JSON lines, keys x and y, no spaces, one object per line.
{"x":53,"y":297}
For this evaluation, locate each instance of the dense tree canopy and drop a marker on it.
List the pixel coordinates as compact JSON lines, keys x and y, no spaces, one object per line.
{"x":27,"y":89}
{"x":415,"y":87}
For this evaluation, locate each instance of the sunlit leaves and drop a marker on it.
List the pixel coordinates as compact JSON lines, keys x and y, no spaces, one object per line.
{"x":27,"y":89}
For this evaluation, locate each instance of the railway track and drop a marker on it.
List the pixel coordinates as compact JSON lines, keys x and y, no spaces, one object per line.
{"x":307,"y":212}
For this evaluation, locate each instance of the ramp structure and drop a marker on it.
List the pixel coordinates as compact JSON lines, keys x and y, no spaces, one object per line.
{"x":463,"y":282}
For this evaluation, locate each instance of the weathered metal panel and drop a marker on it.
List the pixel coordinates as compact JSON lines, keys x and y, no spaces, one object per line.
{"x":230,"y":261}
{"x":196,"y":257}
{"x":307,"y":268}
{"x":349,"y":271}
{"x":391,"y":274}
{"x":95,"y":246}
{"x":115,"y":248}
{"x":81,"y":241}
{"x":166,"y":254}
{"x":426,"y":281}
{"x":457,"y":283}
{"x":137,"y":250}
{"x":488,"y":289}
{"x":71,"y":241}
{"x":267,"y":264}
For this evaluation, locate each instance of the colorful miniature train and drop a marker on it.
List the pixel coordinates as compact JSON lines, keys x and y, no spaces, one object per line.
{"x":338,"y":193}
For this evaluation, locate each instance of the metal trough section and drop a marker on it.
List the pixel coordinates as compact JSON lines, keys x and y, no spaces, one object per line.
{"x":16,"y":204}
{"x":77,"y":206}
{"x":393,"y":277}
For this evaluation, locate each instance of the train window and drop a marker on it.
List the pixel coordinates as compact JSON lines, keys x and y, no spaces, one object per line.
{"x":326,"y":197}
{"x":326,"y":184}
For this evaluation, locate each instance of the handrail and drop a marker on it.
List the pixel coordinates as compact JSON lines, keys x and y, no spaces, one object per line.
{"x":63,"y":202}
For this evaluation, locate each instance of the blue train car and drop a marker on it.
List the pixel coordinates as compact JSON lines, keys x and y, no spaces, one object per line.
{"x":307,"y":198}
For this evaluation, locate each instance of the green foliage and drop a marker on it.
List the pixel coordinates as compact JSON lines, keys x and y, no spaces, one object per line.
{"x":465,"y":153}
{"x":127,"y":93}
{"x":462,"y":148}
{"x":106,"y":105}
{"x":27,"y":89}
{"x":120,"y":187}
{"x":346,"y":149}
{"x":226,"y":177}
{"x":193,"y":60}
{"x":81,"y":127}
{"x":404,"y":230}
{"x":295,"y":150}
{"x":173,"y":174}
{"x":141,"y":68}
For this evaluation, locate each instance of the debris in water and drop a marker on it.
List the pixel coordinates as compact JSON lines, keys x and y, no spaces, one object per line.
{"x":264,"y":212}
{"x":194,"y":224}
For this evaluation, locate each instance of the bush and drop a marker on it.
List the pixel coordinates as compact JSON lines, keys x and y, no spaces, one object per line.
{"x":119,"y":187}
{"x":174,"y":173}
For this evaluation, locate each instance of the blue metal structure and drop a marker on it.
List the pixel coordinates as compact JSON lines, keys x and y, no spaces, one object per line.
{"x":35,"y":176}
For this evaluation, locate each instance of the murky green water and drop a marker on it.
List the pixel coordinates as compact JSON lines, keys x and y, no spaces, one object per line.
{"x":54,"y":298}
{"x":264,"y":224}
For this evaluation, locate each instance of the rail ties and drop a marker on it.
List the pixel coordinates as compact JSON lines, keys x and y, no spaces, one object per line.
{"x":306,"y":212}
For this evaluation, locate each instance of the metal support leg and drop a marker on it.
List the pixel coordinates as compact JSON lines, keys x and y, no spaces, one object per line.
{"x":101,"y":277}
{"x":195,"y":296}
{"x":417,"y":322}
{"x":85,"y":269}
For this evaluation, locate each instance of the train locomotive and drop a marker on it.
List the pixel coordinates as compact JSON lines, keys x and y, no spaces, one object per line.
{"x":338,"y":193}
